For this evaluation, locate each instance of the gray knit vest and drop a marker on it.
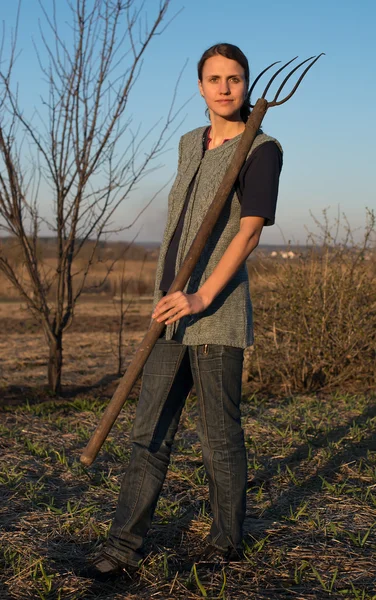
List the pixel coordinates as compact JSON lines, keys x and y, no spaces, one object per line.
{"x":228,"y":320}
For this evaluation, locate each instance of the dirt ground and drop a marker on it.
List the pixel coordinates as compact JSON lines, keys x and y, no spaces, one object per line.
{"x":89,"y":344}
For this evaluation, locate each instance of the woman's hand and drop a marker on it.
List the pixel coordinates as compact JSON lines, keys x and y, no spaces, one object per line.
{"x":174,"y":306}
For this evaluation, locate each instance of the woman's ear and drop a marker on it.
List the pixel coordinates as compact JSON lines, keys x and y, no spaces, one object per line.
{"x":200,"y":88}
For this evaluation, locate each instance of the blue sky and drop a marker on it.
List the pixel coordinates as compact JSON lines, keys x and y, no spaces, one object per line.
{"x":327,"y":130}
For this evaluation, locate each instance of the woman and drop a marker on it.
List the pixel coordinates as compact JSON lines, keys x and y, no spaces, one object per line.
{"x":207,"y":326}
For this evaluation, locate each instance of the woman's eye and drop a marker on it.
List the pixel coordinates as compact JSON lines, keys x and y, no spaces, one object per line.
{"x":232,"y":79}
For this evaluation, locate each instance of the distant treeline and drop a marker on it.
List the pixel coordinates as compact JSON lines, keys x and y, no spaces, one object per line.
{"x":106,"y":250}
{"x":115,"y":250}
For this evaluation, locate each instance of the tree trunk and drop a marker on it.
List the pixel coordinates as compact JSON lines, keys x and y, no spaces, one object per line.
{"x":55,"y":363}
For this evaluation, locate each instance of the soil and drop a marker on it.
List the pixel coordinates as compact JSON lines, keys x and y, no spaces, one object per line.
{"x":88,"y":357}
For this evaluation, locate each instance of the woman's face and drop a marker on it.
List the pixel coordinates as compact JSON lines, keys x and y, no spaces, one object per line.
{"x":223,"y":87}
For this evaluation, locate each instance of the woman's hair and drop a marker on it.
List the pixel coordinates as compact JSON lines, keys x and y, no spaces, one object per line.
{"x":233,"y":53}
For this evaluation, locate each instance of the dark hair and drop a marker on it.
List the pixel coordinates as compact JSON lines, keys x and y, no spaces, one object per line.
{"x":233,"y":53}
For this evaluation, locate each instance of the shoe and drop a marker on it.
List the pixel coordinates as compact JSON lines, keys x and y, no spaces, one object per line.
{"x":213,"y":554}
{"x":105,"y":567}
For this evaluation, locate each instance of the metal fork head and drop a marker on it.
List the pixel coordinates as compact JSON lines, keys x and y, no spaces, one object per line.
{"x":275,"y":101}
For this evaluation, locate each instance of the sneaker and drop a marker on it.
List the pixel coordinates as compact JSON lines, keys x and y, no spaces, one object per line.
{"x":105,"y":567}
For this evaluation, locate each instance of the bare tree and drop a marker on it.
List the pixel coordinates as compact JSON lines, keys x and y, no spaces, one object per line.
{"x":80,"y":144}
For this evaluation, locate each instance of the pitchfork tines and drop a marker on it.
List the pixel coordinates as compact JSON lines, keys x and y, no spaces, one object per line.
{"x":275,"y":101}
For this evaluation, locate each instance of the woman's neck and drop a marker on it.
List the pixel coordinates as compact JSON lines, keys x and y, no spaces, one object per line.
{"x":222,"y":129}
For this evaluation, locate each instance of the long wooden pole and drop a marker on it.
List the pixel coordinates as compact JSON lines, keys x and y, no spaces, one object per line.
{"x":131,"y":375}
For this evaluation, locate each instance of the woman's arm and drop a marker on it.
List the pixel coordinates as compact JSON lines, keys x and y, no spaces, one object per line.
{"x":175,"y":306}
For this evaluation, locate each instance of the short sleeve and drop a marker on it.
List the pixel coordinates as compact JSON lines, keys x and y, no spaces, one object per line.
{"x":258,"y":182}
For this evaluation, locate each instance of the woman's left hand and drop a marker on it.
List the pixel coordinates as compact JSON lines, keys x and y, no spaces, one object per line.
{"x":174,"y":306}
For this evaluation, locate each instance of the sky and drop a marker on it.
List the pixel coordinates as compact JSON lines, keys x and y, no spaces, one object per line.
{"x":327,"y":130}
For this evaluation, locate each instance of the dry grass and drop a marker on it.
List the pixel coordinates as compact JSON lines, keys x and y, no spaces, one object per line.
{"x":310,"y":527}
{"x":139,"y":280}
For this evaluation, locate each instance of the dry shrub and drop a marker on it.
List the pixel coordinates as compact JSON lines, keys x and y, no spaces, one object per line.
{"x":315,"y":321}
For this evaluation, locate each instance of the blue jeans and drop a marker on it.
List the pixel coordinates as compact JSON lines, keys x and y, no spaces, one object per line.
{"x":168,"y":376}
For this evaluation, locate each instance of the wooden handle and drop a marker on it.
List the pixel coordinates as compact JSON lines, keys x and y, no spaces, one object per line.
{"x":143,"y":351}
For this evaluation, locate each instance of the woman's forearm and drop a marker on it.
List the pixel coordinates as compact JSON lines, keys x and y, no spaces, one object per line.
{"x":237,"y":252}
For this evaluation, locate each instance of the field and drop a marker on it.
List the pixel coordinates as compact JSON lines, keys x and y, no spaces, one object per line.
{"x":310,"y":438}
{"x":89,"y":345}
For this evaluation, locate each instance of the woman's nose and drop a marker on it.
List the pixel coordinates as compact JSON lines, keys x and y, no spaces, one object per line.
{"x":224,"y":87}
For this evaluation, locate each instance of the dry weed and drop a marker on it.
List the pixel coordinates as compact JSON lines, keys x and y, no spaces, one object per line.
{"x":316,"y":320}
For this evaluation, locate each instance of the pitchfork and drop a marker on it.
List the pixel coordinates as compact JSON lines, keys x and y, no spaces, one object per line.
{"x":252,"y":126}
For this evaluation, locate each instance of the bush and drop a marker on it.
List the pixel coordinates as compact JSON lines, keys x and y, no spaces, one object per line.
{"x":315,"y":321}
